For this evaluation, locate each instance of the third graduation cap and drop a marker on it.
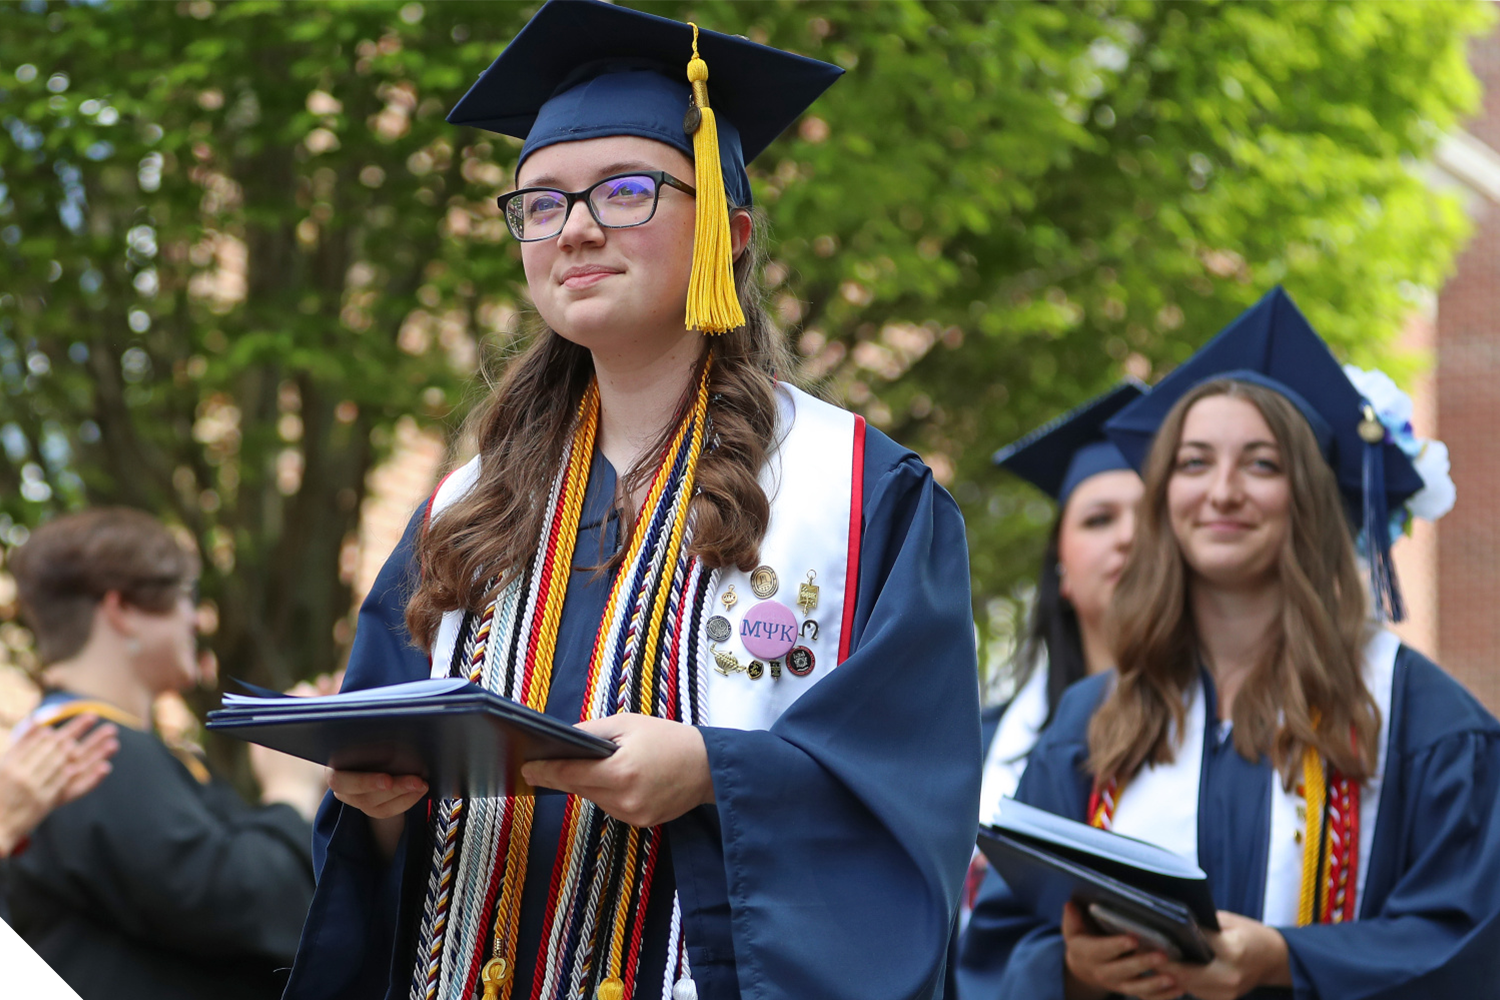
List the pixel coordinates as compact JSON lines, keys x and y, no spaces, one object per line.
{"x":1061,"y":454}
{"x":582,"y":69}
{"x":1272,"y":344}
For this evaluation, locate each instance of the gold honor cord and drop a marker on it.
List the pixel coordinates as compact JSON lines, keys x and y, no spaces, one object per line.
{"x":1315,"y":795}
{"x":613,"y":987}
{"x":498,"y":974}
{"x":1315,"y":896}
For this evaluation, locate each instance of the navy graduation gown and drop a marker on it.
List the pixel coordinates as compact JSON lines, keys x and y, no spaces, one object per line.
{"x":1429,"y":919}
{"x":830,"y":864}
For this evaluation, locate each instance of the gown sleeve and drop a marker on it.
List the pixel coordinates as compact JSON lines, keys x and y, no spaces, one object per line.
{"x":1430,"y":926}
{"x":1007,"y":952}
{"x":846,"y":828}
{"x":173,"y":864}
{"x":349,"y":937}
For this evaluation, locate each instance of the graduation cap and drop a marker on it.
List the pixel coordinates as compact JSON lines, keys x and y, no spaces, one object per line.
{"x":582,"y":69}
{"x":1271,"y":344}
{"x":1061,"y":454}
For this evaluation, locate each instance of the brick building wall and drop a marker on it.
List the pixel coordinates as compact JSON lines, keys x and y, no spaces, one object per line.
{"x":1468,"y":418}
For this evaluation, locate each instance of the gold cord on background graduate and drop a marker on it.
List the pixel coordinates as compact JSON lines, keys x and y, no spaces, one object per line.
{"x":712,"y":305}
{"x":1312,"y":840}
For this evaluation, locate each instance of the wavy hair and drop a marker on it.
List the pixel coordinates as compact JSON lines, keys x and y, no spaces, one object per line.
{"x":487,"y":536}
{"x":1310,"y":666}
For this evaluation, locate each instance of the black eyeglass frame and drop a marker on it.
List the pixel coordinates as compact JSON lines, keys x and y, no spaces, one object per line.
{"x":661,"y":177}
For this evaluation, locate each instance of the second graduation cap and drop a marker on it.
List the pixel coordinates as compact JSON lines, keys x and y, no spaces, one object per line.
{"x":1061,"y":454}
{"x":1273,"y":345}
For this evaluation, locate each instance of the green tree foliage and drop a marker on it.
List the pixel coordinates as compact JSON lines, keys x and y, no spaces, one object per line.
{"x":239,"y":241}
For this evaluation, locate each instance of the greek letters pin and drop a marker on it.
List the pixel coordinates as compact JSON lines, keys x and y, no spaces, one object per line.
{"x":768,"y":630}
{"x":729,"y":599}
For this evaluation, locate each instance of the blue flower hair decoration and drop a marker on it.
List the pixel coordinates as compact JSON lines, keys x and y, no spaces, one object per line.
{"x":1429,"y":456}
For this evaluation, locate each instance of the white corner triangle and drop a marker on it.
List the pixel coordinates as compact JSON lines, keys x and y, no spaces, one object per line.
{"x":26,"y":975}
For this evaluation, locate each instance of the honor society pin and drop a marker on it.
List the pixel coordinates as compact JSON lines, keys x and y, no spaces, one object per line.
{"x":769,"y":630}
{"x":807,"y":593}
{"x":763,"y":582}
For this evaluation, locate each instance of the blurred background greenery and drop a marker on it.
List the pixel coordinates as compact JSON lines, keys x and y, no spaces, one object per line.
{"x":239,"y":243}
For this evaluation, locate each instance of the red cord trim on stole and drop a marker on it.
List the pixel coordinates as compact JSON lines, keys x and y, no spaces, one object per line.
{"x":632,"y":968}
{"x":427,"y":520}
{"x":856,"y":528}
{"x":1101,"y":813}
{"x":427,"y":515}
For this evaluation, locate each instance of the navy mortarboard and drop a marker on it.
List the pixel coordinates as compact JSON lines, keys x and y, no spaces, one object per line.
{"x":1271,"y":344}
{"x":1059,"y":455}
{"x":582,"y":69}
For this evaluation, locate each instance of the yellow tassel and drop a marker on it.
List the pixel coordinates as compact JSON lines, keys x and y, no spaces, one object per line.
{"x":611,"y":989}
{"x":495,"y":975}
{"x":712,"y":305}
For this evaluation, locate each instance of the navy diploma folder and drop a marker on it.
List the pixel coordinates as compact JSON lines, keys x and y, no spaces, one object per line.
{"x":460,"y":738}
{"x":1047,"y":860}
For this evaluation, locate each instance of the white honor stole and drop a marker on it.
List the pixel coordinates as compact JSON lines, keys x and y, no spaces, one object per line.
{"x":814,"y":481}
{"x":1016,"y":734}
{"x":1160,"y":804}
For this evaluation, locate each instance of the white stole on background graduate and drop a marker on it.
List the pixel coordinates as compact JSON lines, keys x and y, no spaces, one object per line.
{"x":813,"y":480}
{"x":1160,"y":804}
{"x":1015,"y":736}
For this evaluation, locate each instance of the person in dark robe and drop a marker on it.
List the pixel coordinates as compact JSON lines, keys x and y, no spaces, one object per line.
{"x":1337,"y":787}
{"x":1067,"y":637}
{"x":44,"y":768}
{"x":764,"y":603}
{"x":162,"y":882}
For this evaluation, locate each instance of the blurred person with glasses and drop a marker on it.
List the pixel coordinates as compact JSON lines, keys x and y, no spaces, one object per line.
{"x":763,"y":603}
{"x":162,"y":883}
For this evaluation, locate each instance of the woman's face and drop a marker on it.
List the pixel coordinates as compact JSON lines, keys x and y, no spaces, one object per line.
{"x":615,"y":290}
{"x":1228,"y":497}
{"x":1098,"y":524}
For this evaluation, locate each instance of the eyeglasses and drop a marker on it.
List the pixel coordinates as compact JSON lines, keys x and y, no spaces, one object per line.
{"x":617,"y":202}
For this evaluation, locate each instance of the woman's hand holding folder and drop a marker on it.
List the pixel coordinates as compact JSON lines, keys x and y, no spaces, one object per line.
{"x":1098,"y":965}
{"x":1247,"y":954}
{"x":659,"y":772}
{"x":383,"y":798}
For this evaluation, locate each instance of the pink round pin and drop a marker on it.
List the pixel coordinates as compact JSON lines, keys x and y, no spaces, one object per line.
{"x":769,"y":630}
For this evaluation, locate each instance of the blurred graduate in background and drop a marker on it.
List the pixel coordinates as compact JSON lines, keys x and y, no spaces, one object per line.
{"x":1096,"y":490}
{"x":162,"y":882}
{"x":1338,"y":788}
{"x":1067,"y":637}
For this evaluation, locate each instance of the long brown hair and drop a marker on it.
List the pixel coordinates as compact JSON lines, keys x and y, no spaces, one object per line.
{"x":1311,"y":661}
{"x":522,"y":429}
